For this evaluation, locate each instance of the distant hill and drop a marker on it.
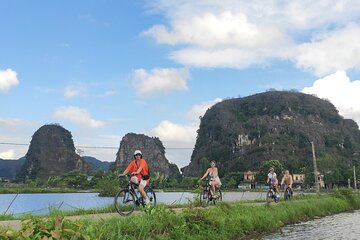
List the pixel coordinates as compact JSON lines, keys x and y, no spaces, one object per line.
{"x":96,"y":164}
{"x":242,"y":133}
{"x":9,"y":168}
{"x":52,"y":153}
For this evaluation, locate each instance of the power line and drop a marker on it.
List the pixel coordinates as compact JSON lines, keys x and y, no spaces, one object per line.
{"x":92,"y":147}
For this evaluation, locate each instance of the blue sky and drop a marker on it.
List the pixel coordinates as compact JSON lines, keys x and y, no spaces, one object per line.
{"x":104,"y":68}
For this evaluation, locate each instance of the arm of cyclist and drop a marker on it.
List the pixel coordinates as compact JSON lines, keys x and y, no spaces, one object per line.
{"x":282,"y":182}
{"x":204,"y":176}
{"x":124,"y":173}
{"x":138,"y":171}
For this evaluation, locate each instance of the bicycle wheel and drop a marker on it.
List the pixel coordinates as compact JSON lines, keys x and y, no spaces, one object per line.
{"x":151,"y":195}
{"x":269,"y":196}
{"x":209,"y":198}
{"x":287,"y":194}
{"x":124,"y":202}
{"x":203,"y":196}
{"x":217,"y":197}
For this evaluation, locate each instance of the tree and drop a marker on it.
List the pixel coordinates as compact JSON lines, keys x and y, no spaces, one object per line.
{"x":264,"y":169}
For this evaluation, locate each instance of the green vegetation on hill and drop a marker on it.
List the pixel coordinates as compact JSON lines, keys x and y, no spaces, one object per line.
{"x":242,"y":133}
{"x":51,"y":153}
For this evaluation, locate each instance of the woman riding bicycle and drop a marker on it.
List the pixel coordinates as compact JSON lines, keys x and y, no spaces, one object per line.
{"x":140,"y":171}
{"x":287,"y":180}
{"x":212,"y":172}
{"x":272,"y":180}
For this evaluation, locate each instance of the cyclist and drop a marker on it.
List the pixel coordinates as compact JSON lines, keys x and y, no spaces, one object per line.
{"x":288,"y":180}
{"x":140,"y":171}
{"x":272,"y":180}
{"x":212,"y":172}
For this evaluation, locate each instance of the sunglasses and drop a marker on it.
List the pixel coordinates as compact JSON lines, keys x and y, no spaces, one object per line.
{"x":137,"y":154}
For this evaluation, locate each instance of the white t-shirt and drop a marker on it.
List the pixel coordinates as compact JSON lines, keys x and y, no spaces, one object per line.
{"x":272,"y":177}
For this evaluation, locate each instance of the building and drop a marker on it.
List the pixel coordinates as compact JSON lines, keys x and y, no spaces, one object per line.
{"x":248,"y":181}
{"x":249,"y":176}
{"x":320,"y":179}
{"x":298,"y":180}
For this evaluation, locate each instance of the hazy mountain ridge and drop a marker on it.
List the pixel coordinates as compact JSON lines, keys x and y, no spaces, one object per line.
{"x":9,"y":168}
{"x":97,"y":164}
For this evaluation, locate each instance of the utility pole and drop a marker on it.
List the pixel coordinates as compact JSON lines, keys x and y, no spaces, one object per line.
{"x":315,"y":168}
{"x":355,"y":187}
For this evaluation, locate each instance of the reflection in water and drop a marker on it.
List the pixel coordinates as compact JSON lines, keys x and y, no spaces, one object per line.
{"x":41,"y":203}
{"x":339,"y":226}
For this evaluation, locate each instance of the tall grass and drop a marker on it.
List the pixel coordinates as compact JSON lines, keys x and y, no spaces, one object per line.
{"x":224,"y":221}
{"x":15,"y":190}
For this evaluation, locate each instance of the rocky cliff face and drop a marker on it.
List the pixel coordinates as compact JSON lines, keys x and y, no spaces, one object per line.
{"x":153,"y":152}
{"x":241,"y":133}
{"x":51,"y":153}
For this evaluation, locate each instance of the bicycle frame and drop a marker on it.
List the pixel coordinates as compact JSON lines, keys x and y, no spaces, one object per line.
{"x":127,"y":198}
{"x":272,"y":193}
{"x":132,"y":187}
{"x":207,"y":195}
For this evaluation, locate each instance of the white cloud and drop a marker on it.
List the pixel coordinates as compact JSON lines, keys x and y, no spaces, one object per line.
{"x":160,"y":80}
{"x":182,"y":135}
{"x":174,"y":135}
{"x":12,"y":122}
{"x":79,"y":116}
{"x":8,"y":79}
{"x":17,"y":131}
{"x":10,"y":154}
{"x":78,"y":90}
{"x":110,"y":93}
{"x":199,"y":110}
{"x":240,"y":33}
{"x":339,"y":49}
{"x":339,"y":90}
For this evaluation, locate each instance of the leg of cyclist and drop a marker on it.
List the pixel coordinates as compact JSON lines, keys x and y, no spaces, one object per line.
{"x":276,"y":190}
{"x":141,"y":189}
{"x":213,"y":184}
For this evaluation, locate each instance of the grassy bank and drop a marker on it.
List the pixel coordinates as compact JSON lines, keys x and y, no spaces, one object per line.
{"x":15,"y":190}
{"x":225,"y":221}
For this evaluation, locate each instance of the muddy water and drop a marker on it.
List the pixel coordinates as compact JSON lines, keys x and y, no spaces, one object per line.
{"x":339,"y":226}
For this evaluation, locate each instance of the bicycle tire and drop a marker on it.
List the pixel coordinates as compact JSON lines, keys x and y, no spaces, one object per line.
{"x":269,"y":195}
{"x":209,"y":198}
{"x":203,"y":196}
{"x":287,"y":195}
{"x":220,"y":195}
{"x":124,"y":202}
{"x":151,"y":195}
{"x":218,"y":198}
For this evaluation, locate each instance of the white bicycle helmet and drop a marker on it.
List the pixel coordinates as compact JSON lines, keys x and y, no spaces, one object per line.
{"x":137,"y":152}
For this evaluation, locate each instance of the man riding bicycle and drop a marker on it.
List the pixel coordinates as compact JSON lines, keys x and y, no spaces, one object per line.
{"x":287,"y":180}
{"x":140,"y":171}
{"x":272,"y":180}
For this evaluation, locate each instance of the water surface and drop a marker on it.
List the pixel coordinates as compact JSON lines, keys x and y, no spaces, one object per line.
{"x":339,"y":226}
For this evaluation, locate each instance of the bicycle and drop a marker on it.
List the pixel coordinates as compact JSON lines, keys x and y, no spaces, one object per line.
{"x":271,"y":194}
{"x":126,"y":199}
{"x":207,"y":196}
{"x":287,"y":193}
